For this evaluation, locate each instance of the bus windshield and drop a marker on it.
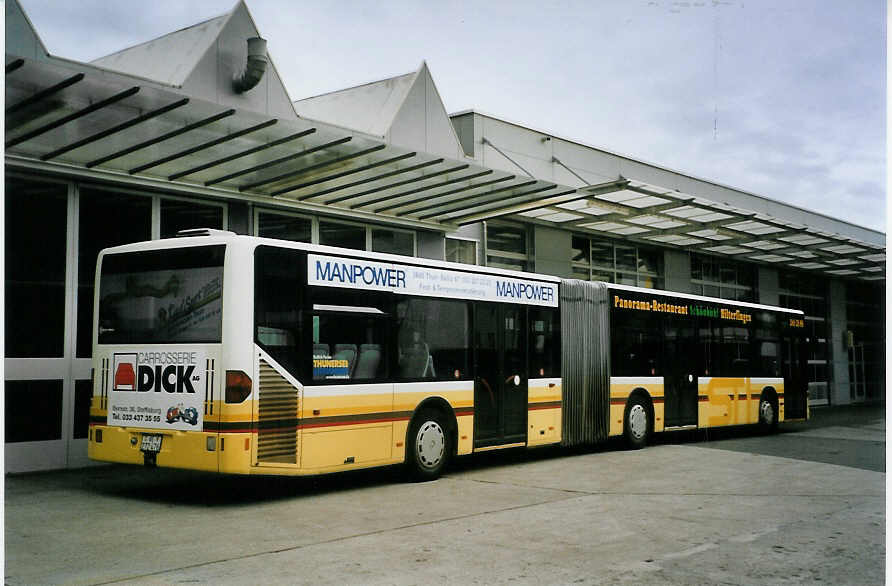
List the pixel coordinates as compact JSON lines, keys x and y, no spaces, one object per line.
{"x":162,"y":296}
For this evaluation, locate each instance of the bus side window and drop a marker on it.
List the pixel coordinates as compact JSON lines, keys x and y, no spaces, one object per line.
{"x":545,"y":343}
{"x":277,"y":299}
{"x":354,"y":336}
{"x":433,"y":339}
{"x":766,"y":345}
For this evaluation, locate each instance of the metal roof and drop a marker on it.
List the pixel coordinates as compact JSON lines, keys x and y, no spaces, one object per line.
{"x":82,"y":119}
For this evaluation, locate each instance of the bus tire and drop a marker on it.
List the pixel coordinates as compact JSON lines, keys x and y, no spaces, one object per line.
{"x":637,"y":424}
{"x":768,"y":413}
{"x":428,"y":446}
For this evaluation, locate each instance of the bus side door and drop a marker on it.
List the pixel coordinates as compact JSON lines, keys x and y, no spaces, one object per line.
{"x":500,"y":386}
{"x":681,"y":359}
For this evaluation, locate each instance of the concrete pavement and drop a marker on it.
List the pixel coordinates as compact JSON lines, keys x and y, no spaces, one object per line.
{"x":728,"y":511}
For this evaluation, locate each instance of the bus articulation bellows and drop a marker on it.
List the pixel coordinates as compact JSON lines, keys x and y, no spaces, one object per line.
{"x":245,"y":355}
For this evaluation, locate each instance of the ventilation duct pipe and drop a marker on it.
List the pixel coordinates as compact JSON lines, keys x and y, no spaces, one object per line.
{"x":255,"y":66}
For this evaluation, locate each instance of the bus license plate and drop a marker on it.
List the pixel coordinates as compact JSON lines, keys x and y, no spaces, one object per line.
{"x":150,"y":443}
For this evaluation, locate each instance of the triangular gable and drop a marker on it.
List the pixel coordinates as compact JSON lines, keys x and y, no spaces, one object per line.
{"x":405,"y":111}
{"x":212,"y":78}
{"x":168,"y":59}
{"x":422,"y":122}
{"x":21,"y":38}
{"x":369,"y":108}
{"x":203,"y":60}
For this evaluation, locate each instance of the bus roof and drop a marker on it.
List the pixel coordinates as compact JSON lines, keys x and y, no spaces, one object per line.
{"x":221,"y":237}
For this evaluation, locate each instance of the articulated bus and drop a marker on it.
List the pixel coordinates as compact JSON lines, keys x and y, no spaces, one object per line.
{"x":245,"y":355}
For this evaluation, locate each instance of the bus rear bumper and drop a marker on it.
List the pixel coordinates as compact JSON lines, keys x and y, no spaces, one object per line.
{"x":178,"y":450}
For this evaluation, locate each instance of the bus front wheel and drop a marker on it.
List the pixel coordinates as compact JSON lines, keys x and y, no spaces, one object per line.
{"x":428,"y":446}
{"x":637,"y":423}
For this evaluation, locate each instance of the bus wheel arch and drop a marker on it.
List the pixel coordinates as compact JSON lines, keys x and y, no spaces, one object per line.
{"x":430,"y":439}
{"x":638,"y":419}
{"x":769,"y":411}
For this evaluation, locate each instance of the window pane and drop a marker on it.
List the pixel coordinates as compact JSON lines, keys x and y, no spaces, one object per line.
{"x":602,"y":254}
{"x":277,"y":305}
{"x":349,"y":344}
{"x":650,"y":282}
{"x":507,"y":239}
{"x":433,"y":337}
{"x":393,"y":242}
{"x":626,"y":258}
{"x":343,"y":235}
{"x":183,"y":215}
{"x":162,"y":296}
{"x":506,"y":263}
{"x":580,"y":249}
{"x":650,"y":261}
{"x":545,"y":342}
{"x":284,"y":227}
{"x":626,"y":279}
{"x":464,"y":251}
{"x":36,"y":228}
{"x":133,"y":223}
{"x":583,"y":273}
{"x":33,"y":410}
{"x":728,"y":274}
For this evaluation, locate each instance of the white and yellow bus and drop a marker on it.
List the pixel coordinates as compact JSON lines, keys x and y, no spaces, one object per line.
{"x":246,"y":355}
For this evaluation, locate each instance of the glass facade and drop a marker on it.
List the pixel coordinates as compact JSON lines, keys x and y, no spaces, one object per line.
{"x":179,"y":215}
{"x":507,"y":247}
{"x":343,"y":235}
{"x":613,"y":262}
{"x":393,"y":241}
{"x":463,"y":251}
{"x":719,"y":277}
{"x":865,"y":340}
{"x":285,"y":226}
{"x":809,"y":294}
{"x":36,"y":244}
{"x":133,"y":223}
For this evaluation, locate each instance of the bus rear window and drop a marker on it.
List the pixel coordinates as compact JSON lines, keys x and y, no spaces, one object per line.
{"x":162,"y":296}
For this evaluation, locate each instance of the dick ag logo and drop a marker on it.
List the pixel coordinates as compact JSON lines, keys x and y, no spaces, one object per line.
{"x":125,"y":372}
{"x":130,"y":376}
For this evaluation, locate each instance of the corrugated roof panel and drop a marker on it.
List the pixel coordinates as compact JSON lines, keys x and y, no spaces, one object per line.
{"x":752,"y":227}
{"x":727,"y":249}
{"x":843,"y":249}
{"x":771,"y":258}
{"x":629,"y":231}
{"x":559,"y":217}
{"x":710,"y":234}
{"x":765,"y":245}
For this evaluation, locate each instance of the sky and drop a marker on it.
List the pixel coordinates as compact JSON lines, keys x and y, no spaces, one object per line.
{"x":785,"y":99}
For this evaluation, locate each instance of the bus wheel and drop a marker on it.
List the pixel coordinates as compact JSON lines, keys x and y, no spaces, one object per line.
{"x":637,"y":424}
{"x":767,"y":415}
{"x":428,"y":446}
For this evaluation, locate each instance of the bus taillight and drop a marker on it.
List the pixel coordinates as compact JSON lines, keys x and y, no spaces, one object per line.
{"x":238,"y":386}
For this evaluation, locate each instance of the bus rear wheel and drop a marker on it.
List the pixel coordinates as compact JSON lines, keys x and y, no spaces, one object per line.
{"x":428,"y":444}
{"x":767,"y":415}
{"x":637,"y":423}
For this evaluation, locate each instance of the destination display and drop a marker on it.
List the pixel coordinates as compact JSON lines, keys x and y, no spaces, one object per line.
{"x":331,"y":271}
{"x":677,"y":307}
